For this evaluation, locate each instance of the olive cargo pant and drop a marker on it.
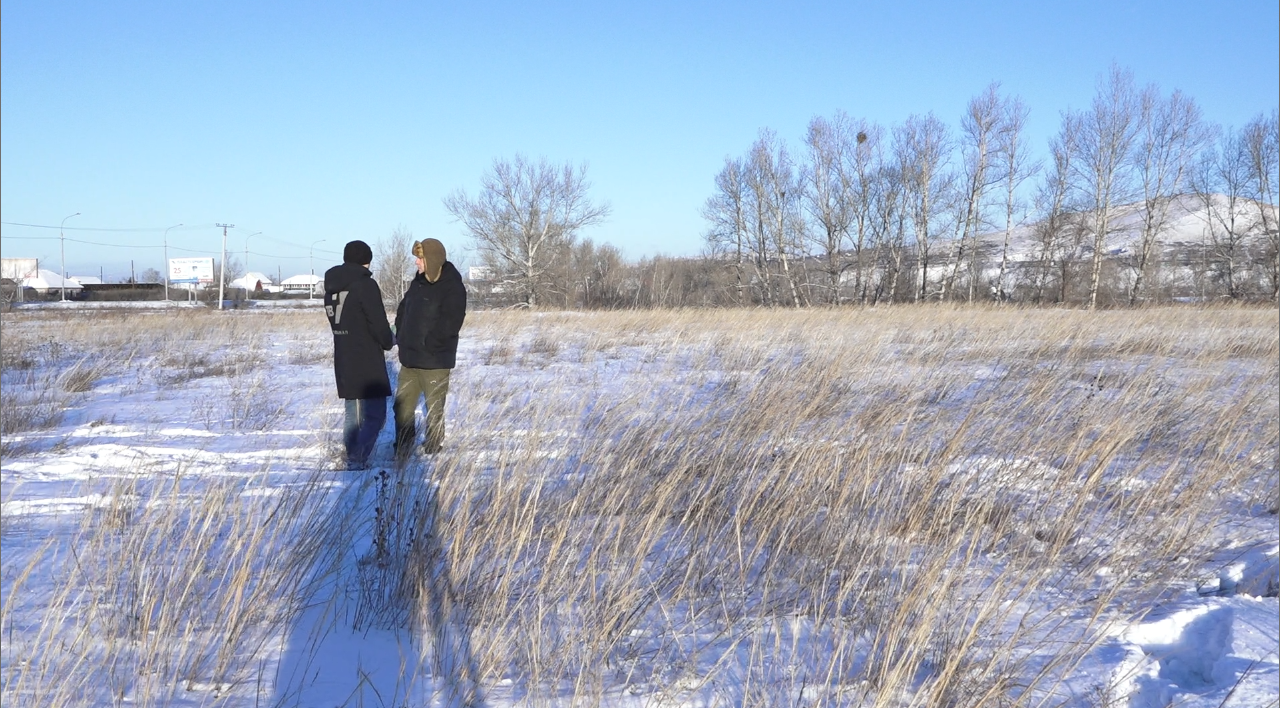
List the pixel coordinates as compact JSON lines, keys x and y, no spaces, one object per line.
{"x":413,"y":385}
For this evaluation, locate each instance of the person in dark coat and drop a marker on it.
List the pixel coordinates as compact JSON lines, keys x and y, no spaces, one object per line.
{"x":361,"y":333}
{"x":427,"y":324}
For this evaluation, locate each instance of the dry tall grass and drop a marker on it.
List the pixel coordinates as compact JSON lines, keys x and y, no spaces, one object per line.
{"x":170,"y":582}
{"x":851,"y":507}
{"x":902,"y":506}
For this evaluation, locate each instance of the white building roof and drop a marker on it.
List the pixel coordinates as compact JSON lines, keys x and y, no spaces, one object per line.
{"x":250,"y":280}
{"x":305,"y":279}
{"x":49,"y":280}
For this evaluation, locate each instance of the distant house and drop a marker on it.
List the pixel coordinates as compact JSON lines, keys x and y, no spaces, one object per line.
{"x":303,"y":283}
{"x":254,"y":281}
{"x":47,"y":281}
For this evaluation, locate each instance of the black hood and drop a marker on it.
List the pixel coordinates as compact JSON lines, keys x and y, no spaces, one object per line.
{"x":341,"y":277}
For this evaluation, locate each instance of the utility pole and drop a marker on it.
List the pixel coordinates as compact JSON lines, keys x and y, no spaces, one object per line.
{"x":62,"y":246}
{"x":222,"y":274}
{"x":247,"y":294}
{"x":311,"y":292}
{"x":166,"y":260}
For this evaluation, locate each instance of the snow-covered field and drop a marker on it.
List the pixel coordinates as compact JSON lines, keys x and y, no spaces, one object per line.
{"x":890,"y":507}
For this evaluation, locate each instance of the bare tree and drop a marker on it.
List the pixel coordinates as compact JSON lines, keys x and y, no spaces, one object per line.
{"x":597,"y":271}
{"x":759,"y":220}
{"x":1170,"y":135}
{"x":393,"y":265}
{"x":1017,"y":168}
{"x":525,"y":215}
{"x":727,"y":211}
{"x":1261,"y":142}
{"x":892,"y":217}
{"x":827,"y":192}
{"x":565,"y":276}
{"x":1220,"y":183}
{"x":870,"y":186}
{"x":922,"y":146}
{"x":233,"y":270}
{"x":775,"y":193}
{"x":1105,"y":135}
{"x":1053,"y":231}
{"x":978,"y":128}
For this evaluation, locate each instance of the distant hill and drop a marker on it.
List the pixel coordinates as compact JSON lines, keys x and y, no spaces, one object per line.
{"x":1189,"y":224}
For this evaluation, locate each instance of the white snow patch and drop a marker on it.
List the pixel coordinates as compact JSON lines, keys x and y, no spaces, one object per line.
{"x":57,"y":505}
{"x":1220,"y":652}
{"x":1256,"y":571}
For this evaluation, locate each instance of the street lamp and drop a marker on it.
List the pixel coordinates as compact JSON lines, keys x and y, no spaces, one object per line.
{"x":246,"y":250}
{"x":166,"y":261}
{"x":246,"y":262}
{"x":62,"y":245}
{"x":311,"y":293}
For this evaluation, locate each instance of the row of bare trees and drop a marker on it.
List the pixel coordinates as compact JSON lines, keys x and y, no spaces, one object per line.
{"x":1137,"y":200}
{"x":869,"y":205}
{"x":1235,"y":182}
{"x":971,"y":215}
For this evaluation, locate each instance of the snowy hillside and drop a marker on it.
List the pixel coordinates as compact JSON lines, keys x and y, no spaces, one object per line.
{"x":1188,"y":224}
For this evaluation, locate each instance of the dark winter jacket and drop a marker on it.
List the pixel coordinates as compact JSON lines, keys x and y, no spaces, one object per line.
{"x":353,"y":303}
{"x":429,"y":318}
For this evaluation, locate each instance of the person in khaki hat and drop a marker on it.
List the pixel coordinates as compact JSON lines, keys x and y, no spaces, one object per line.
{"x":427,"y":324}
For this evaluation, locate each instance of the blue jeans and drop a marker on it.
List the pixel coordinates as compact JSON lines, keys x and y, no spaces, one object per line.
{"x":364,"y":420}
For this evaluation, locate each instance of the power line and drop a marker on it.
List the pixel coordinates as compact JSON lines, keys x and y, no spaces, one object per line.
{"x":188,"y":228}
{"x":143,"y":229}
{"x":137,"y":229}
{"x":74,"y":240}
{"x":172,"y":248}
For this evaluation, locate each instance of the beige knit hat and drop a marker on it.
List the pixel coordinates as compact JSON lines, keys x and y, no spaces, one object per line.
{"x":432,"y":254}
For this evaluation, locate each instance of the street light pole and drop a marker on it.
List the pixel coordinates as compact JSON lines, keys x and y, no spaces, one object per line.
{"x":62,"y":245}
{"x":311,"y":292}
{"x":222,"y":275}
{"x":246,"y":250}
{"x":166,"y":261}
{"x":246,"y":262}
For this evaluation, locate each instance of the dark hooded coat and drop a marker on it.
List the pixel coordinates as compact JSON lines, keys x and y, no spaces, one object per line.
{"x":353,"y":304}
{"x":429,"y":319}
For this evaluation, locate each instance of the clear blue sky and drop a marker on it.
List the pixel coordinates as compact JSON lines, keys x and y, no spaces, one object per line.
{"x":334,"y":121}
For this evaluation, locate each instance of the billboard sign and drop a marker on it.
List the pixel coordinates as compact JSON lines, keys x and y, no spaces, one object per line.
{"x":191,"y":270}
{"x":16,"y":269}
